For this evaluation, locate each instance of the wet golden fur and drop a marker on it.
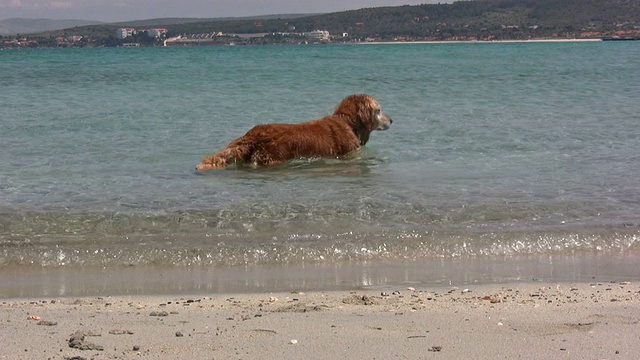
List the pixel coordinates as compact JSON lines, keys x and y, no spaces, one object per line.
{"x":335,"y":135}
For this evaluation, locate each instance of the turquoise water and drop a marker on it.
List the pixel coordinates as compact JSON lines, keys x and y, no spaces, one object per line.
{"x":495,"y":149}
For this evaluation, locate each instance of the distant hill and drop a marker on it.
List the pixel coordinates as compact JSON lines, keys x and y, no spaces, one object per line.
{"x":175,"y":21}
{"x":481,"y":19}
{"x":461,"y":20}
{"x":29,"y":26}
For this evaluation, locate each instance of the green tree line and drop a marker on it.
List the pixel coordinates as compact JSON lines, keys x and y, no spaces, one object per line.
{"x":481,"y":19}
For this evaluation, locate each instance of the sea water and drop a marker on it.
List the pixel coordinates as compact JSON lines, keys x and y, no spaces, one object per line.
{"x":497,"y":151}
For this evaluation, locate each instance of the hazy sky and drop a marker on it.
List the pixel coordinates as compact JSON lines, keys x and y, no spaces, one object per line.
{"x":120,"y":10}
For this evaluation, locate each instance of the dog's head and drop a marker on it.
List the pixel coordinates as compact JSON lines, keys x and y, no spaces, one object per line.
{"x":364,"y":114}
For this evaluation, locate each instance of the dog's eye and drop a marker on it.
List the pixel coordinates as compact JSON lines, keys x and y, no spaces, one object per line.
{"x":378,"y":111}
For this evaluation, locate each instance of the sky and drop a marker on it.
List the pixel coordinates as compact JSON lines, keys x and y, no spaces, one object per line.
{"x":124,"y":10}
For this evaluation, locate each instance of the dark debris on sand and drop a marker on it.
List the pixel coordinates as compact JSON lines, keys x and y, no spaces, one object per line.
{"x":77,"y":341}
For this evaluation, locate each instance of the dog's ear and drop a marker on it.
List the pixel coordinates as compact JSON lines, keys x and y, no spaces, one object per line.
{"x":348,"y":107}
{"x":360,"y":112}
{"x":368,"y":109}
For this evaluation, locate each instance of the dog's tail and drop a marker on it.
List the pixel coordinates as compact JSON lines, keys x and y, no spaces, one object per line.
{"x":238,"y":150}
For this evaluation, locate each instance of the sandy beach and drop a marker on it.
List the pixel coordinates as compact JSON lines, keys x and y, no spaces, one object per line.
{"x":520,"y":320}
{"x":554,"y":40}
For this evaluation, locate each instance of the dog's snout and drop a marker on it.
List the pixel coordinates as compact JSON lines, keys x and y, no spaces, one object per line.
{"x":390,"y":121}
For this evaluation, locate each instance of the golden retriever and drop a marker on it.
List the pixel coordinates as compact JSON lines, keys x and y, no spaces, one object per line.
{"x":335,"y":135}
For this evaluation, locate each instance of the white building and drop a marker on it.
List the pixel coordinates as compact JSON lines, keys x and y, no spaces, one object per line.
{"x":124,"y":33}
{"x":156,"y":33}
{"x":322,"y":35}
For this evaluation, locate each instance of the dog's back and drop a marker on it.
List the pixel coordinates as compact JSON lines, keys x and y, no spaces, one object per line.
{"x":275,"y":143}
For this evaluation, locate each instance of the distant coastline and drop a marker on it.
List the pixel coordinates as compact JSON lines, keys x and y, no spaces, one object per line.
{"x":478,"y":41}
{"x":460,"y":22}
{"x":401,"y":42}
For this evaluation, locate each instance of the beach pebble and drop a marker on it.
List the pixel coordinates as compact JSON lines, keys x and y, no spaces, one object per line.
{"x":159,"y":313}
{"x":77,"y":341}
{"x":358,"y":300}
{"x":136,"y":347}
{"x":273,"y":299}
{"x":179,"y":334}
{"x":492,"y":299}
{"x":411,"y":289}
{"x":34,"y":317}
{"x":47,"y":323}
{"x":293,"y":341}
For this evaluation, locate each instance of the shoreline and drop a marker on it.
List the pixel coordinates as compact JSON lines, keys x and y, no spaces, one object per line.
{"x":73,"y":281}
{"x":190,"y":43}
{"x":479,"y":41}
{"x":532,"y":320}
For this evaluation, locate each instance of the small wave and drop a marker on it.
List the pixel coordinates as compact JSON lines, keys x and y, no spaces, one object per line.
{"x":276,"y":236}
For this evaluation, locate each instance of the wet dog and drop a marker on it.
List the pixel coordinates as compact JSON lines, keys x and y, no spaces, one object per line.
{"x":341,"y":133}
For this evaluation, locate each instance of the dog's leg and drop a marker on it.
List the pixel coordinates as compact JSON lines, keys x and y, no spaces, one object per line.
{"x":260,"y":158}
{"x":237,"y":151}
{"x":211,"y":162}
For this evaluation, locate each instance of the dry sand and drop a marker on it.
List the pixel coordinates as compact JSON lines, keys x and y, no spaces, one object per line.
{"x":523,"y":320}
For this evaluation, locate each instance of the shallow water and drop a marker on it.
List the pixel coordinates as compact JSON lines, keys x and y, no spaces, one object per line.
{"x":495,"y":149}
{"x":450,"y":273}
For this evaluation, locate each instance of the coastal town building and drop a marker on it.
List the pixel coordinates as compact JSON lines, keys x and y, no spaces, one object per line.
{"x":321,"y":35}
{"x":156,"y":33}
{"x":123,"y":33}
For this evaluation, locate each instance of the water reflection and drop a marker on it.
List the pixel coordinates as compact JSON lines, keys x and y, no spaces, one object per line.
{"x":435,"y":272}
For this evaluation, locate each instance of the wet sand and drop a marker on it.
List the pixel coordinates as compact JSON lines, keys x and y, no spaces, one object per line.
{"x":535,"y":307}
{"x":70,"y":281}
{"x":597,"y":320}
